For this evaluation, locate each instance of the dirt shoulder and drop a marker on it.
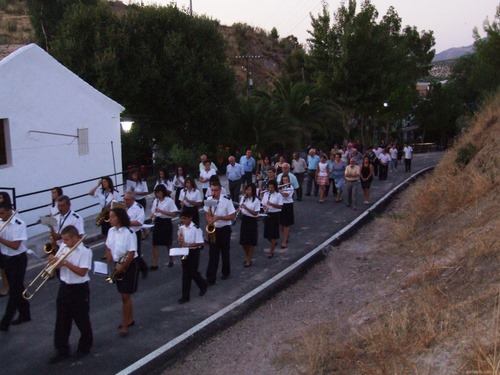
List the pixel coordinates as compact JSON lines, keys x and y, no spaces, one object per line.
{"x":336,"y":294}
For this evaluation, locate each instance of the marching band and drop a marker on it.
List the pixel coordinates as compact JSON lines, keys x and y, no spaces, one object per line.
{"x":122,"y":224}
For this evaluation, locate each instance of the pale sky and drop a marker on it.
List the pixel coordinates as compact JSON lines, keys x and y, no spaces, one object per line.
{"x":451,"y":20}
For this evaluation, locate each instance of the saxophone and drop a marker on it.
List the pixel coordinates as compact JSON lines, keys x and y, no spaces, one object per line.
{"x":52,"y":246}
{"x":210,"y":228}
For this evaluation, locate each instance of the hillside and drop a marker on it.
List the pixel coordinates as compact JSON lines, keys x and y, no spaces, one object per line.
{"x":416,"y":291}
{"x":15,"y":25}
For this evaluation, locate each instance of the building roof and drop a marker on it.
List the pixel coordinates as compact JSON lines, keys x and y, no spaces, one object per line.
{"x":7,"y":49}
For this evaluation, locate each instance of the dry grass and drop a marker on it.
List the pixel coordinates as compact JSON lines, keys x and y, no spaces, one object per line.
{"x":449,"y":222}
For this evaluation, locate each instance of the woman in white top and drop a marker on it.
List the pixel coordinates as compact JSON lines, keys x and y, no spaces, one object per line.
{"x":287,"y":218}
{"x":249,"y":209}
{"x":121,"y":248}
{"x":55,"y":193}
{"x":162,"y":211}
{"x":322,"y":177}
{"x":106,"y":193}
{"x":178,"y":184}
{"x":191,"y":200}
{"x":272,"y":201}
{"x":137,"y":186}
{"x":164,"y":179}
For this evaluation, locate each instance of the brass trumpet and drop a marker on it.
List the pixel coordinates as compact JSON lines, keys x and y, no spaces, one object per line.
{"x":118,"y":273}
{"x":48,"y":272}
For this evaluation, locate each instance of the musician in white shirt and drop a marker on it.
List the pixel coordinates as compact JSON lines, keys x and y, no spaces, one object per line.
{"x":13,"y":239}
{"x":191,"y":199}
{"x":249,"y":208}
{"x":163,"y":210}
{"x":121,"y":248}
{"x":72,"y":302}
{"x":220,"y":215}
{"x":190,"y":236}
{"x":272,"y":201}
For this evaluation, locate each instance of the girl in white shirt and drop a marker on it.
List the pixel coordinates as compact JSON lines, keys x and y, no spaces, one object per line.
{"x":272,"y":201}
{"x":249,"y":209}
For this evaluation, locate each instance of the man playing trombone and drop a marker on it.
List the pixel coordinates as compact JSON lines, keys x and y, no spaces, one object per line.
{"x":13,"y":238}
{"x":72,"y":302}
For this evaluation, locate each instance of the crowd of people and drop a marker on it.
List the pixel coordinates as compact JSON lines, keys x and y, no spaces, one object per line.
{"x":257,"y":191}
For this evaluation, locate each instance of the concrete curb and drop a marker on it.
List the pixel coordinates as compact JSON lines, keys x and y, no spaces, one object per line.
{"x":157,"y":361}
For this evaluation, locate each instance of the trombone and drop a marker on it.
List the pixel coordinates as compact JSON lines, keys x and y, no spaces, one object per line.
{"x":8,"y":220}
{"x":48,"y":272}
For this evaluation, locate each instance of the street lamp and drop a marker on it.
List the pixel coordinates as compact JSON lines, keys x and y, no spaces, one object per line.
{"x":126,"y":125}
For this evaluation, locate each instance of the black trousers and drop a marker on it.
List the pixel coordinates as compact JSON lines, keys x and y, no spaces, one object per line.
{"x":190,"y":272}
{"x":234,"y":190}
{"x":332,"y":185}
{"x":220,"y":249}
{"x":15,"y":269}
{"x":311,"y":174}
{"x":73,"y":304}
{"x":407,"y":165}
{"x":300,"y":180}
{"x":383,"y":170}
{"x":143,"y":267}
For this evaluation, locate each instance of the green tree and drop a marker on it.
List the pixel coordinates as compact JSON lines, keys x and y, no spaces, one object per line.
{"x":168,"y":69}
{"x":361,"y":63}
{"x":46,"y":15}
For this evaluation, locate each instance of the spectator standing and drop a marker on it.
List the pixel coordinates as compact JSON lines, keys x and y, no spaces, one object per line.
{"x":299,"y":168}
{"x":312,"y":164}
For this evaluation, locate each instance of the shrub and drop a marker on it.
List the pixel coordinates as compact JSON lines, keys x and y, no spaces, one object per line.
{"x":465,"y":154}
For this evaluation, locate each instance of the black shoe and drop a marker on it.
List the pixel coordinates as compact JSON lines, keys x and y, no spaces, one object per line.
{"x":203,"y":290}
{"x":182,"y":300}
{"x":20,"y":320}
{"x":4,"y":328}
{"x":210,"y":282}
{"x":153,"y":268}
{"x":224,"y":277}
{"x":58,"y":358}
{"x":170,"y":264}
{"x":144,"y":273}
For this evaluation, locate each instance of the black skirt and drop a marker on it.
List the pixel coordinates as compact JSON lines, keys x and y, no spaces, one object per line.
{"x":248,"y":231}
{"x":272,"y":226}
{"x":162,"y":232}
{"x":286,"y":216}
{"x":128,"y":285}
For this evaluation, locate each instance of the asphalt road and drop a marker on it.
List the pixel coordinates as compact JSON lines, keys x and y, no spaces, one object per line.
{"x":26,"y":348}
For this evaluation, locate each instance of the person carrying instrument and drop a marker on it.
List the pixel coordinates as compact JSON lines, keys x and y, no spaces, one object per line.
{"x":72,"y":303}
{"x":191,"y":236}
{"x":220,"y":216}
{"x":106,"y":193}
{"x":4,"y":292}
{"x":13,"y":238}
{"x":249,"y":208}
{"x":135,"y":213}
{"x":66,"y":217}
{"x":272,"y":202}
{"x":121,"y":248}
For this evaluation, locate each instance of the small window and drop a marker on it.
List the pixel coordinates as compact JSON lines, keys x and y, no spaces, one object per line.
{"x":4,"y":143}
{"x":83,"y":141}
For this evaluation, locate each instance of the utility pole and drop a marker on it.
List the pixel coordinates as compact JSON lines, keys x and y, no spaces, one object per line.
{"x":249,"y":79}
{"x":191,"y":8}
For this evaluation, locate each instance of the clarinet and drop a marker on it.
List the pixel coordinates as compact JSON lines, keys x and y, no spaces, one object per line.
{"x":238,"y":211}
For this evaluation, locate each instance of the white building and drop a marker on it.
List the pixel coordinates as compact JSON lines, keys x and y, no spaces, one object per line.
{"x":55,"y":130}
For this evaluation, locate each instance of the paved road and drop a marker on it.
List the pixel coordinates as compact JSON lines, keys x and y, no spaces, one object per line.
{"x":25,"y":349}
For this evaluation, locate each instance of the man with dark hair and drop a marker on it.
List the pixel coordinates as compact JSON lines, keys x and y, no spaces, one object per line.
{"x":219,"y":213}
{"x":72,"y":302}
{"x":190,"y":236}
{"x":13,"y":239}
{"x":66,"y":217}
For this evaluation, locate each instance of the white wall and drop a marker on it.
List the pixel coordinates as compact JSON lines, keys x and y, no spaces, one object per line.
{"x":39,"y":94}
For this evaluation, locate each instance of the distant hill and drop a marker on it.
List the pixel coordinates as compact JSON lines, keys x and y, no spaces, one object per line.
{"x":453,"y":53}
